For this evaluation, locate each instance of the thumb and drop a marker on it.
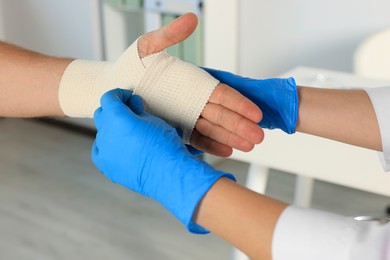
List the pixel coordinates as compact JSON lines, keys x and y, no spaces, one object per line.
{"x":172,"y":33}
{"x":136,"y":104}
{"x":115,"y":97}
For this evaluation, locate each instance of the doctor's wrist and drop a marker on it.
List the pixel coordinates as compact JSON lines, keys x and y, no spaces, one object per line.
{"x":193,"y":186}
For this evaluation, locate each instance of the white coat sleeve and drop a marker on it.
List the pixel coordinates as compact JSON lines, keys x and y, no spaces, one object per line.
{"x":380,"y":99}
{"x":307,"y":234}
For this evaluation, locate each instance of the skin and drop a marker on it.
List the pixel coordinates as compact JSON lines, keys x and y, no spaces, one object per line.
{"x":29,"y":84}
{"x":342,"y":115}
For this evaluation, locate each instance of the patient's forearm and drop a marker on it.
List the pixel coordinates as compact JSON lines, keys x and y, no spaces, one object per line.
{"x":342,"y":115}
{"x":29,"y":82}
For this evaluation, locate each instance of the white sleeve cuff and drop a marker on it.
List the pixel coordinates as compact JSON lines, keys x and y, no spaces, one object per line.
{"x":385,"y":162}
{"x":380,"y":99}
{"x":308,"y":234}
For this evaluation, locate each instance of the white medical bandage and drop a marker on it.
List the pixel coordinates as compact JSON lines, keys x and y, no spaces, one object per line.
{"x":171,"y":89}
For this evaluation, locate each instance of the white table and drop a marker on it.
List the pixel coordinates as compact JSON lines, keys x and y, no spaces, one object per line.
{"x":311,"y":157}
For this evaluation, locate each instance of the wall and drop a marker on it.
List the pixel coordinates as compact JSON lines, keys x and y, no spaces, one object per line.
{"x":277,"y":35}
{"x":70,"y":28}
{"x":1,"y":22}
{"x":63,"y":28}
{"x":122,"y":27}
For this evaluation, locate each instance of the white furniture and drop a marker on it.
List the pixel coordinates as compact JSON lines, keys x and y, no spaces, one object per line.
{"x":312,"y":157}
{"x":372,"y":58}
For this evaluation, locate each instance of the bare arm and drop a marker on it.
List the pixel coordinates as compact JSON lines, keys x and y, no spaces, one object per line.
{"x":240,"y":216}
{"x":29,"y":82}
{"x":342,"y":115}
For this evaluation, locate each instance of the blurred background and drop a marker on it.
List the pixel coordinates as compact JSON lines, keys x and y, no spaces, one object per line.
{"x":56,"y":205}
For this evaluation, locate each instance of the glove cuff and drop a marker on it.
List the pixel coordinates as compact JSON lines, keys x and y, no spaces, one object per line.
{"x":291,"y":119}
{"x":191,"y":225}
{"x":197,"y":179}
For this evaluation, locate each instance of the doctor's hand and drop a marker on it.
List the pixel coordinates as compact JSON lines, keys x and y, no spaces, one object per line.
{"x":277,"y":98}
{"x":143,"y":153}
{"x":229,"y":120}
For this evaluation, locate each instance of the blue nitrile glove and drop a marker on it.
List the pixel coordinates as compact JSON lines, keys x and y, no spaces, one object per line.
{"x":193,"y":150}
{"x":146,"y":155}
{"x":190,"y":148}
{"x":277,"y":98}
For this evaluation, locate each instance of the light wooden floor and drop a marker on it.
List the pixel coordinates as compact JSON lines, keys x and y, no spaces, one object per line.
{"x":55,"y":205}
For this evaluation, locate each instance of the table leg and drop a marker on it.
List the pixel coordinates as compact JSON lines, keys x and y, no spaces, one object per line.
{"x":211,"y":159}
{"x":303,"y":191}
{"x":257,"y":181}
{"x":257,"y":178}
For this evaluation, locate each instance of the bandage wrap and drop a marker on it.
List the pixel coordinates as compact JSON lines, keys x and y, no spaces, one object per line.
{"x":170,"y":88}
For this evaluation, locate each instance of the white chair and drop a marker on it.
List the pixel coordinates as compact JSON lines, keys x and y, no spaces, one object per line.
{"x":372,"y":58}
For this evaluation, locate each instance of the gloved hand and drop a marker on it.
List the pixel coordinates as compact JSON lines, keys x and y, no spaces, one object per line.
{"x":277,"y":98}
{"x":146,"y":155}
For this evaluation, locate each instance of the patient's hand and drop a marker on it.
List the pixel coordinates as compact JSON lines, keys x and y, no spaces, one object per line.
{"x":229,"y":120}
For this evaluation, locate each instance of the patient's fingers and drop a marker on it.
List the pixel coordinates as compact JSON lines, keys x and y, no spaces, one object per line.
{"x":210,"y":146}
{"x":172,"y":33}
{"x":233,"y":122}
{"x":233,"y":100}
{"x":223,"y":136}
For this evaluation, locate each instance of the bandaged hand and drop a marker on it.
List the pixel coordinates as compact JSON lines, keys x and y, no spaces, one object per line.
{"x":213,"y":117}
{"x":277,"y":98}
{"x":145,"y":154}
